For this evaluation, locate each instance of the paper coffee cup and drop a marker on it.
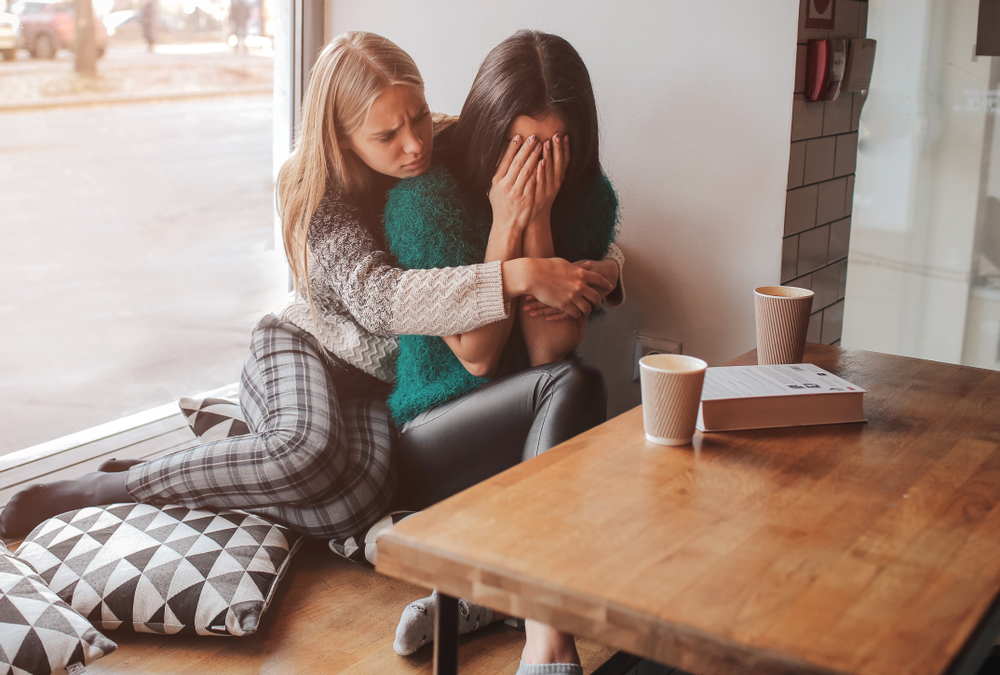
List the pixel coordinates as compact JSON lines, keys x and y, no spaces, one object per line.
{"x":671,"y":394}
{"x":782,"y":314}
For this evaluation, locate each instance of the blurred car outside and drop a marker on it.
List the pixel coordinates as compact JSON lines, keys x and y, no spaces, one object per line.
{"x":48,"y":26}
{"x":128,"y":23}
{"x":10,"y":35}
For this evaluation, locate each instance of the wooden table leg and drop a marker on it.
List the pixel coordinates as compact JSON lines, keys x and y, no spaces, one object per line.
{"x":446,"y":636}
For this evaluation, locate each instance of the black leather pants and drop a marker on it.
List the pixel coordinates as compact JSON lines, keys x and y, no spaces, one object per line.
{"x":458,"y":444}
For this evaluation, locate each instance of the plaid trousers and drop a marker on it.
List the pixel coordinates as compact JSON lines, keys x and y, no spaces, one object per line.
{"x":319,"y":454}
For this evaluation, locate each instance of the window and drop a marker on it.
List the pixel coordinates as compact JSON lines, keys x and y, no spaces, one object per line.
{"x":138,"y":219}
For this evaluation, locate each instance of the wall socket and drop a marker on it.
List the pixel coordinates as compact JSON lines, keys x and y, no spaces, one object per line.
{"x":644,"y":346}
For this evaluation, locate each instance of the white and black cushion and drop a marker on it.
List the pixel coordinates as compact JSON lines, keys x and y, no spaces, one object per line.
{"x":39,"y":633}
{"x":165,"y":569}
{"x":213,"y":419}
{"x":361,"y":548}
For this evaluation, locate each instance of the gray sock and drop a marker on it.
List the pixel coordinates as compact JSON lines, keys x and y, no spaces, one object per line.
{"x":416,"y":624}
{"x":549,"y":669}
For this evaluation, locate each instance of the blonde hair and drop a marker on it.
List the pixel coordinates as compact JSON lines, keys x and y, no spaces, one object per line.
{"x":349,"y":75}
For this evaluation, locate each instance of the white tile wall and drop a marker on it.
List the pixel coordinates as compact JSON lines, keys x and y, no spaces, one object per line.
{"x":837,"y":114}
{"x":789,"y":257}
{"x":796,"y":164}
{"x":845,"y":18}
{"x":840,"y":237}
{"x":826,"y":286}
{"x":847,"y":154}
{"x":807,"y":118}
{"x":815,"y":332}
{"x":813,"y":245}
{"x":800,"y":209}
{"x":830,"y":203}
{"x":800,"y":68}
{"x":820,"y":196}
{"x":821,"y":154}
{"x":833,"y":322}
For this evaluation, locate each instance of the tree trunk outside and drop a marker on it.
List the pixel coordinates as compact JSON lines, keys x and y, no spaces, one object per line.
{"x":86,"y":47}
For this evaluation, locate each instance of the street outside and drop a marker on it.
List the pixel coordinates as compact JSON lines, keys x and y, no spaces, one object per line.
{"x":138,"y":232}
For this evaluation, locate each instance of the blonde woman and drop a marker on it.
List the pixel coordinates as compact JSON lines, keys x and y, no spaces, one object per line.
{"x":313,"y":387}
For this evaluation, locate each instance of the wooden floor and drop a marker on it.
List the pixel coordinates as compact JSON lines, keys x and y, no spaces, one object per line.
{"x":329,"y":616}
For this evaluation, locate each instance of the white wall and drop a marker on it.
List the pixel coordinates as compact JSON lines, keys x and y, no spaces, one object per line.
{"x":695,"y":103}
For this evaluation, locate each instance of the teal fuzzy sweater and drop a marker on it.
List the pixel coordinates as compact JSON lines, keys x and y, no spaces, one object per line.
{"x":430,"y":223}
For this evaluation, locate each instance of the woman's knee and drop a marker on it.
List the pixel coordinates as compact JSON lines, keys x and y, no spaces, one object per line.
{"x":581,"y":385}
{"x":302,"y":460}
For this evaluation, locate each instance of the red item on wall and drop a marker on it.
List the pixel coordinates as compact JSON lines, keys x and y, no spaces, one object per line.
{"x":825,"y":61}
{"x":816,"y":60}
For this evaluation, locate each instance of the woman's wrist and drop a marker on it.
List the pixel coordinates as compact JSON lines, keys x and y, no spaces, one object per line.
{"x":516,"y":277}
{"x":504,"y":243}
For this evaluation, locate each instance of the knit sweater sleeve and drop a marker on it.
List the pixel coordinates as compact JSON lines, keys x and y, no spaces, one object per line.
{"x":349,"y":264}
{"x":617,"y":296}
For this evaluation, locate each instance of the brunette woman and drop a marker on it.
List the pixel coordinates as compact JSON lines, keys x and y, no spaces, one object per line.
{"x":531,"y":101}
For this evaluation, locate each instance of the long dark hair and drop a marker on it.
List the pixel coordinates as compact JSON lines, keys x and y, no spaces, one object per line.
{"x":534,"y":74}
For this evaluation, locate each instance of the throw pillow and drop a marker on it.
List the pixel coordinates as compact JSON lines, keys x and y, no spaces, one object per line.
{"x":39,"y":633}
{"x":212,"y":419}
{"x":166,"y":569}
{"x":362,"y":549}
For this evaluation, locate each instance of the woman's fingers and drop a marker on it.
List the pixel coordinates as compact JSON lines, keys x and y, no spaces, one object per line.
{"x":505,"y":160}
{"x":524,"y":153}
{"x":597,"y":281}
{"x":551,"y":182}
{"x":526,"y":167}
{"x":561,"y":156}
{"x":550,"y":313}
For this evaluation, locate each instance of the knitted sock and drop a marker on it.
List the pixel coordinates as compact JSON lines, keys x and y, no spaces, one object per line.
{"x":416,"y":624}
{"x":549,"y":669}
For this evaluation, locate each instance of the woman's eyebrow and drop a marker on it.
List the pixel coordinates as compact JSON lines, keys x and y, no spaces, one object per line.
{"x":387,"y":132}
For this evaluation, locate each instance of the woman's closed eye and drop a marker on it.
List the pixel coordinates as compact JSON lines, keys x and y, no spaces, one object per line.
{"x":387,"y":136}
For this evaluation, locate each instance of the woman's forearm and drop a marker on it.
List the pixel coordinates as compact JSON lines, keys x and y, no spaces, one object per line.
{"x":547,"y":341}
{"x":480,"y":350}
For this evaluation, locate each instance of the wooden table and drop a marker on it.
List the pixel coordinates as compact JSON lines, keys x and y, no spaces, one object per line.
{"x":863,"y":548}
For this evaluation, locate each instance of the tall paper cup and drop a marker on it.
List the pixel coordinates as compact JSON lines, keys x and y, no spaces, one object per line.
{"x":671,"y":393}
{"x":782,"y":314}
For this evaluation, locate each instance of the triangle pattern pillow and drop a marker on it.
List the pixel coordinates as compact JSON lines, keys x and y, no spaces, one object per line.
{"x":39,"y":633}
{"x":165,"y":569}
{"x":212,"y":419}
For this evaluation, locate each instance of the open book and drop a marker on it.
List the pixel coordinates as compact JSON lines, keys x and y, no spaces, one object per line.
{"x":759,"y":397}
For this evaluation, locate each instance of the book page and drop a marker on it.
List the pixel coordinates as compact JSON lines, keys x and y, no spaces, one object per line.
{"x":784,"y":380}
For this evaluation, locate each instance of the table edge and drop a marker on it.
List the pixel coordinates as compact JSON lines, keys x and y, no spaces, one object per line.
{"x":755,"y":659}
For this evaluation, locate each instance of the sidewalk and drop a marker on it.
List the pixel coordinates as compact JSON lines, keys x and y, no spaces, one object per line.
{"x":129,"y":73}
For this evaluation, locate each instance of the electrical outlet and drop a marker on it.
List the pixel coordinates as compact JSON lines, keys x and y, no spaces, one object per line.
{"x":644,"y":346}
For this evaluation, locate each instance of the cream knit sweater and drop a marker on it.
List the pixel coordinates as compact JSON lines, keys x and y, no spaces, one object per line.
{"x":363,"y":300}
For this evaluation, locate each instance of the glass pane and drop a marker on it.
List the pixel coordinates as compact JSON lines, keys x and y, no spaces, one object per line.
{"x":137,"y":210}
{"x":924,"y":275}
